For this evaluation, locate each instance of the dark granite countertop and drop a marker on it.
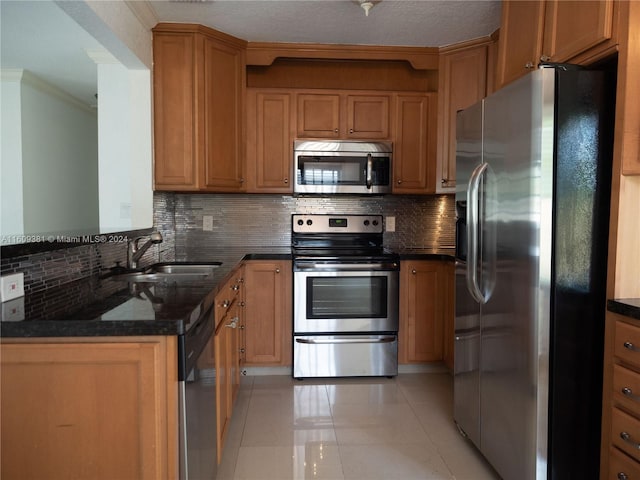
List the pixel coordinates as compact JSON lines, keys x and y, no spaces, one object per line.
{"x":426,"y":253}
{"x":629,"y":307}
{"x":111,"y":307}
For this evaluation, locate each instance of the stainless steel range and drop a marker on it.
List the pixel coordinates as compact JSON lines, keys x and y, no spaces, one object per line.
{"x":345,"y":288}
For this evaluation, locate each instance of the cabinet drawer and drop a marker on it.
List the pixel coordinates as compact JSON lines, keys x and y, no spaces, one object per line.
{"x":627,"y":343}
{"x":625,"y":433}
{"x":622,"y":467}
{"x":626,"y":388}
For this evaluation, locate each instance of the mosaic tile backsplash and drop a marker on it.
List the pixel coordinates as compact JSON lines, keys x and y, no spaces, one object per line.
{"x":265,"y":220}
{"x":239,"y":220}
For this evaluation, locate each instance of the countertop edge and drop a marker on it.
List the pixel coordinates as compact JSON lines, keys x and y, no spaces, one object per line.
{"x":629,"y":307}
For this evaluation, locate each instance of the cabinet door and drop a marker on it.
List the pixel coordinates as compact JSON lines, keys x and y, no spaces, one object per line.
{"x":90,"y":408}
{"x":268,"y":312}
{"x":463,"y":82}
{"x":222,"y":348}
{"x":269,"y":142}
{"x":572,"y":27}
{"x":414,"y":152}
{"x":222,"y":118}
{"x":520,"y":40}
{"x":367,"y":116}
{"x":174,"y":111}
{"x":421,"y":311}
{"x":318,"y":115}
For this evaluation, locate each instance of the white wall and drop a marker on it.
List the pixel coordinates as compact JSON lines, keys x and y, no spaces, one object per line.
{"x":11,"y":220}
{"x":59,"y":160}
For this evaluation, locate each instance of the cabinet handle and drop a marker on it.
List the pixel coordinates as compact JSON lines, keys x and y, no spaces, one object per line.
{"x":335,"y":130}
{"x":241,"y":350}
{"x":277,"y":270}
{"x":622,"y":476}
{"x":545,"y":58}
{"x":627,"y":438}
{"x":628,"y":392}
{"x":631,"y":346}
{"x":232,"y":324}
{"x":241,"y":180}
{"x":225,"y":304}
{"x":528,"y":65}
{"x":235,"y":288}
{"x":242,"y":304}
{"x":286,"y":180}
{"x":241,"y":327}
{"x":414,"y":271}
{"x":399,"y":182}
{"x":351,"y":130}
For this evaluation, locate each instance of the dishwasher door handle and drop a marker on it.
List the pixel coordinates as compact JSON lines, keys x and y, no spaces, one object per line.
{"x":325,"y":341}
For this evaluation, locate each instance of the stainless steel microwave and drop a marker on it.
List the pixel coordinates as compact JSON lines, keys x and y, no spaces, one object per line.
{"x":342,"y":166}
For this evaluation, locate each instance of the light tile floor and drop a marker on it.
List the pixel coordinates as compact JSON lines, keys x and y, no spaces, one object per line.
{"x":364,"y":429}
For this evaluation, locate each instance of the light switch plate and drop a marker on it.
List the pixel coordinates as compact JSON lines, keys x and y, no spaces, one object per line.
{"x":12,"y":286}
{"x":390,"y":224}
{"x":207,"y":223}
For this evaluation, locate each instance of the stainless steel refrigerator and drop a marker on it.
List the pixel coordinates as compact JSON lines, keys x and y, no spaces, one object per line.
{"x":534,"y":180}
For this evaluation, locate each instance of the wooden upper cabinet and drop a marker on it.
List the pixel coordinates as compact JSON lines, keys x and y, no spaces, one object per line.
{"x":414,"y":150}
{"x":572,"y":27}
{"x":367,"y":116}
{"x":223,"y":107}
{"x":318,"y":115}
{"x":342,"y":115}
{"x":198,"y":109}
{"x":269,"y":155}
{"x":174,"y":75}
{"x":520,"y":41}
{"x":554,"y":31}
{"x":463,"y":82}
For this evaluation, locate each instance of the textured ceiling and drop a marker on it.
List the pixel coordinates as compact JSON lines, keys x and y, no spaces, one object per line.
{"x":38,"y":36}
{"x":426,"y":23}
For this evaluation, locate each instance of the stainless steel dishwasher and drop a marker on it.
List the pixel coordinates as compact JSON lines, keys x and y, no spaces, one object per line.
{"x":197,"y":401}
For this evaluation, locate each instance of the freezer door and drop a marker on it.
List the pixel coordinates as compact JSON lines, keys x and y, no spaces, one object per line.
{"x":518,"y":146}
{"x":467,"y":313}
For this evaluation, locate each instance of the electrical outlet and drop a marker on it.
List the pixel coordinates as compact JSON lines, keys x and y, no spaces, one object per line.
{"x":207,"y":223}
{"x":12,"y":286}
{"x":13,"y":310}
{"x":390,"y":224}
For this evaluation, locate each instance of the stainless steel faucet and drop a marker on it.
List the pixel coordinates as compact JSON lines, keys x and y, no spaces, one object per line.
{"x":135,"y":252}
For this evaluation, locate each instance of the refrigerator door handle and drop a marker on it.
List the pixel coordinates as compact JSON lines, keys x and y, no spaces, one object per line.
{"x":473,"y":231}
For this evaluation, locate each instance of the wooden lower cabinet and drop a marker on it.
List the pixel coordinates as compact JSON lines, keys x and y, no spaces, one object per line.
{"x":268,"y":312}
{"x":223,"y":344}
{"x":99,"y":408}
{"x":620,"y":457}
{"x":228,"y":348}
{"x":425,"y":294}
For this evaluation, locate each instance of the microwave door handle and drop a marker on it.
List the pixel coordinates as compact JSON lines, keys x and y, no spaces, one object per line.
{"x":369,"y":171}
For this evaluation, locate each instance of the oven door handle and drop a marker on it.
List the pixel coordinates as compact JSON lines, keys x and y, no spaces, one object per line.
{"x":324,"y":341}
{"x":319,"y":266}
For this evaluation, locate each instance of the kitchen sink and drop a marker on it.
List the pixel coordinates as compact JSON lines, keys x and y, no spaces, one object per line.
{"x":183,"y":268}
{"x":170,"y":272}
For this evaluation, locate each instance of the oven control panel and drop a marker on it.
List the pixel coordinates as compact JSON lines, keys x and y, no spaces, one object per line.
{"x":316,"y":223}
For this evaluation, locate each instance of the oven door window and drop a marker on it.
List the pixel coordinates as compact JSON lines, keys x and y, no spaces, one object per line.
{"x":347,"y":297}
